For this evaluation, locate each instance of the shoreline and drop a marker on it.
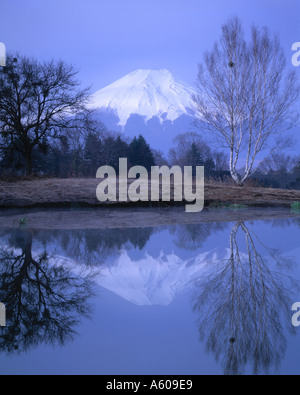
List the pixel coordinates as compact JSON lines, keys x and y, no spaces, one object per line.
{"x":122,"y":218}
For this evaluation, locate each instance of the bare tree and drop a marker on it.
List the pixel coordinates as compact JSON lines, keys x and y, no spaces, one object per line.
{"x":246,"y":96}
{"x":37,"y":102}
{"x":182,"y":146}
{"x":45,"y":301}
{"x":279,"y":162}
{"x":243,"y":300}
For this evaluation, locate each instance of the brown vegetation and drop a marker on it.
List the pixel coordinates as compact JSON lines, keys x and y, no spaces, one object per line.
{"x":82,"y":193}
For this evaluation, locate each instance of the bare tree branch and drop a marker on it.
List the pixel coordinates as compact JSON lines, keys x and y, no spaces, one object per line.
{"x":246,"y":96}
{"x":37,"y":101}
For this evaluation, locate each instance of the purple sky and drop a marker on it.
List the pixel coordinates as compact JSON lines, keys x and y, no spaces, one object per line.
{"x":107,"y":39}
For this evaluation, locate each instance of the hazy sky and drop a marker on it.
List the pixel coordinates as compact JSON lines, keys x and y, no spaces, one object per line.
{"x":107,"y":39}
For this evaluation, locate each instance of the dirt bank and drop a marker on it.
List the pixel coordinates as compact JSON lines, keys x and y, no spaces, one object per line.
{"x":82,"y":193}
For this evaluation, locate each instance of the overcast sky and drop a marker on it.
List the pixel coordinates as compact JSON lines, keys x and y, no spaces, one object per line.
{"x":107,"y":39}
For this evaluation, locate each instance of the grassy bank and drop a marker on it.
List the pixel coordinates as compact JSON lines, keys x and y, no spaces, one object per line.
{"x":82,"y":193}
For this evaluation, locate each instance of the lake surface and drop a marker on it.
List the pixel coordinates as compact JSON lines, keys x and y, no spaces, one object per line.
{"x":190,"y":299}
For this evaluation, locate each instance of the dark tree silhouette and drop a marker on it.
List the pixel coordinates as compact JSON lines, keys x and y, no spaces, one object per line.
{"x":92,"y":152}
{"x":140,"y":153}
{"x":192,"y":236}
{"x":44,"y":301}
{"x":37,"y":102}
{"x":194,"y":157}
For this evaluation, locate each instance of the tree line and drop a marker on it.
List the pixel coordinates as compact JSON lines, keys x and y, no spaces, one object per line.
{"x":80,"y":155}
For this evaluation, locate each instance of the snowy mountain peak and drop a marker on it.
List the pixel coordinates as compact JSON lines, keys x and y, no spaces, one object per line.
{"x":149,"y":93}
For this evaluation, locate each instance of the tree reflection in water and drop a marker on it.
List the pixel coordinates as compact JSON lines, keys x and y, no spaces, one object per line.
{"x":44,"y":300}
{"x":244,"y":305}
{"x":192,"y":237}
{"x":94,"y":246}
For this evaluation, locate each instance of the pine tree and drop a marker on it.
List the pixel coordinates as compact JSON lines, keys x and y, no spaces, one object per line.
{"x":92,"y":153}
{"x":140,"y":153}
{"x":194,"y":157}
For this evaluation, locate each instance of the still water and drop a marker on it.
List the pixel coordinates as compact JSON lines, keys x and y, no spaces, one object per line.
{"x":206,"y":298}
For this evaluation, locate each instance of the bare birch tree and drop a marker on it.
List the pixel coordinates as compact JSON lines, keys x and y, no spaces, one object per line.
{"x":243,"y":304}
{"x":246,"y":96}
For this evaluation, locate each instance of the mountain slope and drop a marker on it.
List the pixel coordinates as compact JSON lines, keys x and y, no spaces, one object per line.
{"x":147,"y":93}
{"x":150,"y":281}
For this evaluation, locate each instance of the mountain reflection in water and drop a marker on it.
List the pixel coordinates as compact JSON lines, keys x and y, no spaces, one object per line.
{"x":241,"y":290}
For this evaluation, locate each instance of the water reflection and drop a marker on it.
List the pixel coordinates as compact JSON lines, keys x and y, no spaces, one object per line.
{"x":46,"y":281}
{"x":44,"y":300}
{"x":93,"y":247}
{"x":192,"y":237}
{"x":243,"y":304}
{"x":242,"y":295}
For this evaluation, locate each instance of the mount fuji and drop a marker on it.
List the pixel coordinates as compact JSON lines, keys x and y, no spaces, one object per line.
{"x":153,"y":103}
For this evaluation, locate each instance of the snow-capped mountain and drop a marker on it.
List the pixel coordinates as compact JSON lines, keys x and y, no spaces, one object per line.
{"x":152,"y":103}
{"x":151,"y":281}
{"x":147,"y":93}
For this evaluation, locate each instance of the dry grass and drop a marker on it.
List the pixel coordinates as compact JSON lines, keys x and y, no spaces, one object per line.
{"x":82,"y":192}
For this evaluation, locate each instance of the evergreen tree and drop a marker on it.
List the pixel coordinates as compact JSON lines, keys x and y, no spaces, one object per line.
{"x":209,"y":166}
{"x":140,"y":153}
{"x":119,"y":150}
{"x":194,"y":156}
{"x":92,"y":153}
